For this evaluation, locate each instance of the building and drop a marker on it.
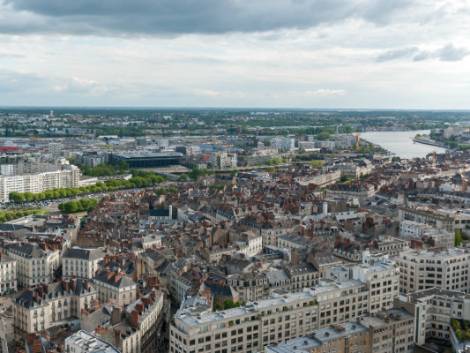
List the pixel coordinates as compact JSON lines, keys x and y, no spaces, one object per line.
{"x":349,"y":337}
{"x":433,"y":310}
{"x":141,"y":159}
{"x":224,"y":160}
{"x":66,"y":176}
{"x":449,"y":220}
{"x":356,"y":169}
{"x":282,"y":317}
{"x":115,"y":288}
{"x":283,"y":143}
{"x":84,"y":342}
{"x":81,"y":263}
{"x":386,"y":332}
{"x":137,"y":328}
{"x":8,"y":275}
{"x":445,"y":269}
{"x":382,"y":279}
{"x":33,"y":264}
{"x":45,"y":306}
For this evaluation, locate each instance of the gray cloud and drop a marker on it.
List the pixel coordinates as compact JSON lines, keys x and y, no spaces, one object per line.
{"x":448,"y":52}
{"x":189,"y":16}
{"x":397,"y":54}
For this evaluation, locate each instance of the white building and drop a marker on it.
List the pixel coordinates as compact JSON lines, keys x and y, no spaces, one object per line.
{"x":446,"y":269}
{"x":224,"y":160}
{"x":67,"y":176}
{"x":34,"y":265}
{"x":84,"y":342}
{"x":282,"y":317}
{"x":283,"y":143}
{"x":382,"y":278}
{"x":81,"y":263}
{"x":8,"y":276}
{"x":115,"y":288}
{"x":45,"y":306}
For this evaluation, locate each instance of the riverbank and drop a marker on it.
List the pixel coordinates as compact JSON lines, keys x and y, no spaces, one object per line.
{"x":401,"y":143}
{"x":428,"y":141}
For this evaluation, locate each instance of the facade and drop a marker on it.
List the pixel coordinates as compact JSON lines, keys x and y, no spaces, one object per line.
{"x":115,"y":288}
{"x":33,"y":264}
{"x":84,"y":342}
{"x":260,"y":323}
{"x":68,"y":176}
{"x":445,"y":269}
{"x":433,"y":310}
{"x":386,"y":332}
{"x":8,"y":275}
{"x":224,"y":160}
{"x":81,"y":263}
{"x":146,"y":159}
{"x":382,"y":280}
{"x":283,"y":143}
{"x":136,"y":329}
{"x":45,"y":306}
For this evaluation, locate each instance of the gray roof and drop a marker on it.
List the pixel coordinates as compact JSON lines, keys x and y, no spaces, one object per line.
{"x":84,"y":254}
{"x":114,"y":279}
{"x":27,"y":250}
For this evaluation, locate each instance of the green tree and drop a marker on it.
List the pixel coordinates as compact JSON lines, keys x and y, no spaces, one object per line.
{"x":458,"y":238}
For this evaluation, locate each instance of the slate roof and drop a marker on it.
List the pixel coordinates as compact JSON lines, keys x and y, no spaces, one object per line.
{"x":84,"y":254}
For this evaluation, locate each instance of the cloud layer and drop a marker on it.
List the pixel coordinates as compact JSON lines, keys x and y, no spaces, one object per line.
{"x":238,"y":53}
{"x":448,"y":52}
{"x":190,"y":16}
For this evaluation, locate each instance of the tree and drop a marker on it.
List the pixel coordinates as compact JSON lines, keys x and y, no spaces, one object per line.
{"x":458,"y":238}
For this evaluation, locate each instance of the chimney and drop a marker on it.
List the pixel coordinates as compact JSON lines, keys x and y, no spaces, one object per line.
{"x":134,"y":319}
{"x":115,"y":316}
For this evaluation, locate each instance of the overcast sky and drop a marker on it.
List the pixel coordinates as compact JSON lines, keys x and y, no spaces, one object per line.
{"x":236,"y":53}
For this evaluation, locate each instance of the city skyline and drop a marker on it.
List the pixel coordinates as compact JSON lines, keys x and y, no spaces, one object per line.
{"x":287,"y":54}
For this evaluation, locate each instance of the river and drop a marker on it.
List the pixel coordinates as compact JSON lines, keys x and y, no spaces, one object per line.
{"x":401,"y":143}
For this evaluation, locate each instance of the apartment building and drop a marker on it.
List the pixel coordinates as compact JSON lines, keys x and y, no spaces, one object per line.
{"x":447,"y":219}
{"x":259,"y":284}
{"x":348,"y":337}
{"x":382,"y":279}
{"x":380,"y":276}
{"x":446,"y":269}
{"x":386,"y":332}
{"x":34,"y":265}
{"x":251,"y":327}
{"x":81,"y":263}
{"x":8,"y":275}
{"x":65,"y":176}
{"x":433,"y":310}
{"x":40,"y":308}
{"x":136,"y":329}
{"x":115,"y":288}
{"x":84,"y":342}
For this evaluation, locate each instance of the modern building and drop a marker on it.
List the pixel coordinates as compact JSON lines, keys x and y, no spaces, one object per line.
{"x":386,"y":332}
{"x":282,"y":317}
{"x":382,"y":279}
{"x":81,"y":263}
{"x":34,"y":265}
{"x":66,"y":176}
{"x":84,"y":342}
{"x":142,"y":159}
{"x":446,"y":269}
{"x":283,"y":143}
{"x":433,"y":310}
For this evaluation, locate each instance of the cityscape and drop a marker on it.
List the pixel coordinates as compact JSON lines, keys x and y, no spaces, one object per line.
{"x":227,"y":176}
